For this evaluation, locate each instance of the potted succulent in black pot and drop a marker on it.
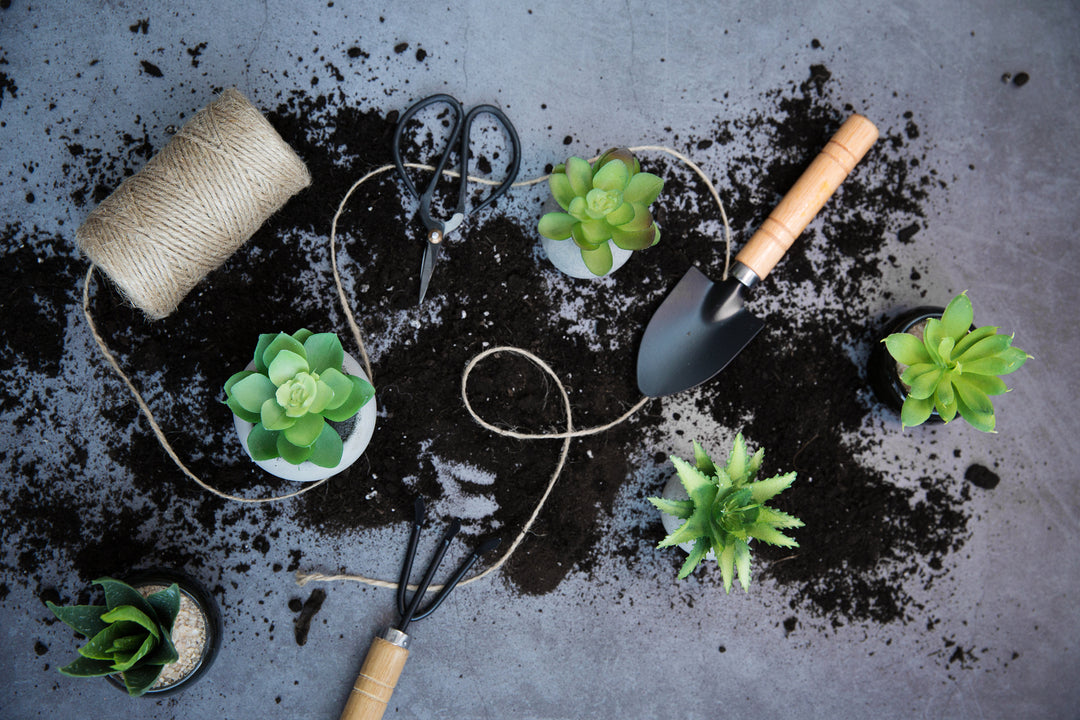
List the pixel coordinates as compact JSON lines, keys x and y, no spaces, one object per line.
{"x":604,"y":214}
{"x":715,"y":512}
{"x":933,"y":365}
{"x":303,"y":408}
{"x":157,"y":633}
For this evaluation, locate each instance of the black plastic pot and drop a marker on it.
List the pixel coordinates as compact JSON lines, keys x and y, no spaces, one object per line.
{"x":881,"y":368}
{"x":206,"y":605}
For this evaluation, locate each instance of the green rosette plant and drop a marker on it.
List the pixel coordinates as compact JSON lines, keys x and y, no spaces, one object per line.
{"x":608,"y":200}
{"x":129,"y":634}
{"x":296,"y":386}
{"x":954,"y":369}
{"x":727,"y":510}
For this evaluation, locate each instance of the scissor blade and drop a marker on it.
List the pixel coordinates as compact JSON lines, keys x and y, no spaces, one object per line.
{"x":431,"y":254}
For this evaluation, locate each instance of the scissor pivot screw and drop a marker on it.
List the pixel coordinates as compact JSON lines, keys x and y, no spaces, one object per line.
{"x":435,"y":237}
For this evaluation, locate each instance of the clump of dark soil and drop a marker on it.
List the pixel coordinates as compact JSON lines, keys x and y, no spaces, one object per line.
{"x":801,"y":395}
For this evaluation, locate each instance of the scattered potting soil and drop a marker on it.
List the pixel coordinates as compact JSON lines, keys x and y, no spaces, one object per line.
{"x":307,"y":611}
{"x":799,"y":390}
{"x":982,"y":476}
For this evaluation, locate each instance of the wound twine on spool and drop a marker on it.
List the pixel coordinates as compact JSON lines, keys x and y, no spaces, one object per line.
{"x":193,"y":204}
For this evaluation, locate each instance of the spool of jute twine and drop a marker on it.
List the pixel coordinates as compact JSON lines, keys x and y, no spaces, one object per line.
{"x":193,"y":204}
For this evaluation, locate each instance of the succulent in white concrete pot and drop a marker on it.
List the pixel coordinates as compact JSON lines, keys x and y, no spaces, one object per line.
{"x":604,"y":210}
{"x":722,"y":509}
{"x":283,"y":401}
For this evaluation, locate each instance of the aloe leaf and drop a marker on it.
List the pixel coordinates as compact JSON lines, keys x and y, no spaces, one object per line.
{"x":681,"y":509}
{"x":292,"y":453}
{"x":561,"y":190}
{"x":643,"y":188}
{"x":273,"y":417}
{"x":697,"y":484}
{"x":915,"y":411}
{"x":957,"y":318}
{"x":736,"y":464}
{"x":777,"y":518}
{"x":119,"y":593}
{"x":166,"y":604}
{"x":83,"y":619}
{"x":598,"y":261}
{"x":742,"y":563}
{"x":361,"y":394}
{"x":687,"y":532}
{"x":755,"y":465}
{"x":87,"y":667}
{"x":982,"y":421}
{"x":763,"y":490}
{"x":305,"y":430}
{"x":327,"y":449}
{"x":697,"y":554}
{"x":702,"y":460}
{"x":286,"y":364}
{"x":138,"y":680}
{"x":127,"y":613}
{"x":726,"y":558}
{"x":324,"y":351}
{"x":556,"y":225}
{"x":280,"y":343}
{"x":612,"y":176}
{"x":252,"y":391}
{"x":907,"y":349}
{"x":579,"y":174}
{"x":262,"y":443}
{"x":771,"y":535}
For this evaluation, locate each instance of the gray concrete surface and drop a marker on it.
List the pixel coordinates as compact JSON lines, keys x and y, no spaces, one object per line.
{"x":613,"y":645}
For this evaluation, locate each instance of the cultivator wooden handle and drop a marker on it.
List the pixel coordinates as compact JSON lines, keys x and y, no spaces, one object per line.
{"x":808,"y":195}
{"x":378,"y":676}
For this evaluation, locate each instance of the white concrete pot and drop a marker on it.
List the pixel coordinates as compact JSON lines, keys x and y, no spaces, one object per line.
{"x":674,"y":490}
{"x":360,"y":428}
{"x":566,"y":256}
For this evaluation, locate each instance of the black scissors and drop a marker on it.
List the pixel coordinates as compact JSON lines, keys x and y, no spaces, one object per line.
{"x":437,"y":230}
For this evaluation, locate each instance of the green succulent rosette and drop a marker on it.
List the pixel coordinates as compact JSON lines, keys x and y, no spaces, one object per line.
{"x":608,"y":200}
{"x":954,"y":369}
{"x":296,"y":386}
{"x":130,"y":634}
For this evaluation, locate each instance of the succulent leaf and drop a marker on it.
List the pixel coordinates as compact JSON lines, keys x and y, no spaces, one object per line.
{"x":907,"y":349}
{"x":957,"y":318}
{"x":327,"y":449}
{"x":599,"y":261}
{"x":561,"y":189}
{"x":323,"y":352}
{"x":292,"y":453}
{"x":302,"y":335}
{"x":726,"y":508}
{"x":556,"y":225}
{"x":252,"y":391}
{"x":262,"y":443}
{"x":281,"y":342}
{"x":260,"y":351}
{"x":643,"y":189}
{"x":127,"y":613}
{"x":915,"y":411}
{"x":304,"y":431}
{"x":286,"y":365}
{"x":973,"y":337}
{"x":978,"y":420}
{"x":362,"y":392}
{"x":612,"y":176}
{"x":273,"y":417}
{"x":83,"y":619}
{"x":580,"y":176}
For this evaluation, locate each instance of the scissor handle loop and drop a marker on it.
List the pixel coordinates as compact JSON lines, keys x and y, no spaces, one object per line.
{"x":395,"y":148}
{"x":515,"y":160}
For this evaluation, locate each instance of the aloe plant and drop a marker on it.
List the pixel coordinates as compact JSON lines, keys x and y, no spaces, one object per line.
{"x":954,"y":369}
{"x":129,"y":634}
{"x":608,"y":200}
{"x":727,"y":510}
{"x":296,"y":386}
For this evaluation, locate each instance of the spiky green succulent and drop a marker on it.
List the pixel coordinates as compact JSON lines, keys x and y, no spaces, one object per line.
{"x":727,"y":510}
{"x":954,"y":369}
{"x":129,"y":634}
{"x":296,"y":386}
{"x":608,"y":200}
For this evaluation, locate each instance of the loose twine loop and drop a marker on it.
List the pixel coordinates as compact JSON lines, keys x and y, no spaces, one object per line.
{"x":566,"y":436}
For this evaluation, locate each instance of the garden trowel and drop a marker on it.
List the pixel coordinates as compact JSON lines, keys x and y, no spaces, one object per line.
{"x":701,"y":326}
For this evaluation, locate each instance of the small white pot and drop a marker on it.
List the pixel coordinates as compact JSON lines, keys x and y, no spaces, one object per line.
{"x":674,"y":490}
{"x":363,"y":425}
{"x":566,"y":256}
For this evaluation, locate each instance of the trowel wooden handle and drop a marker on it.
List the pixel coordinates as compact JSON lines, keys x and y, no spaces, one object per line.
{"x":378,"y":676}
{"x":808,"y":195}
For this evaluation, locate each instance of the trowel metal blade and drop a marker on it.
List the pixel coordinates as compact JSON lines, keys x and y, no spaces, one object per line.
{"x":698,"y":329}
